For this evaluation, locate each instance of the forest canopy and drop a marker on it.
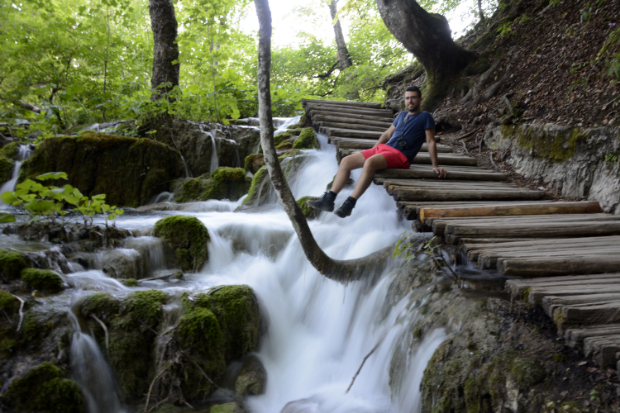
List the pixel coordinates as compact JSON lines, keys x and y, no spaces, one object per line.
{"x":75,"y":62}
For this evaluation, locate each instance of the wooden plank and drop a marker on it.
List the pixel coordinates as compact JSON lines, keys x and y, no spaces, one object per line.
{"x":344,"y":111}
{"x":347,"y":126}
{"x":443,"y":183}
{"x":535,"y":243}
{"x":423,"y":158}
{"x":351,"y":133}
{"x":577,"y":335}
{"x":550,"y":230}
{"x":340,"y":107}
{"x":345,"y":119}
{"x":453,"y":174}
{"x":504,"y":210}
{"x":517,"y":286}
{"x":373,"y":105}
{"x":603,"y":349}
{"x":322,"y":112}
{"x":361,"y":144}
{"x":405,"y":194}
{"x":551,"y":302}
{"x":562,"y":265}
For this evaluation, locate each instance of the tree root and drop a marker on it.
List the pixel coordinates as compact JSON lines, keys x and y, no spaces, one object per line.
{"x":465,"y":147}
{"x":362,"y":365}
{"x":467,"y":135}
{"x":105,"y":330}
{"x":21,"y":311}
{"x":492,"y":162}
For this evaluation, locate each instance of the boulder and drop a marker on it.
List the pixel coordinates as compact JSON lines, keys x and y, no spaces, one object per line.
{"x":252,"y":379}
{"x":43,"y":280}
{"x":306,"y":140}
{"x":227,"y":408}
{"x":188,"y":237}
{"x":10,"y":151}
{"x":123,"y":263}
{"x":254,"y":162}
{"x":129,"y":171}
{"x":223,"y":183}
{"x":45,"y":389}
{"x":12,"y":264}
{"x":309,"y":213}
{"x":7,"y":166}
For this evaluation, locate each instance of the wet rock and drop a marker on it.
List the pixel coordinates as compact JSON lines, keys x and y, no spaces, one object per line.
{"x":7,"y":166}
{"x":129,"y":171}
{"x":188,"y":237}
{"x":45,"y":389}
{"x":527,"y":372}
{"x":252,"y":379}
{"x":306,"y":140}
{"x":254,"y":162}
{"x":8,"y":303}
{"x":227,"y":408}
{"x":123,"y":263}
{"x":12,"y":264}
{"x":309,"y":213}
{"x":223,"y":183}
{"x":10,"y":151}
{"x":42,"y":280}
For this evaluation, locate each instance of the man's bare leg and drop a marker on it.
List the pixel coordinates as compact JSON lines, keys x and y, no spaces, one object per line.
{"x":371,"y":166}
{"x":348,"y":164}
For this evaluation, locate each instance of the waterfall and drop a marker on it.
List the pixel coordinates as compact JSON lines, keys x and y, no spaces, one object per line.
{"x":24,"y":153}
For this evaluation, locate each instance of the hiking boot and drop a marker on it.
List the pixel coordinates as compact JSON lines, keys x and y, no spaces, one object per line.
{"x":346,"y":207}
{"x":324,"y":203}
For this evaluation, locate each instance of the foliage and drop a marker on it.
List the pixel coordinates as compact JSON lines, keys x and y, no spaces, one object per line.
{"x":428,"y":247}
{"x":41,"y":201}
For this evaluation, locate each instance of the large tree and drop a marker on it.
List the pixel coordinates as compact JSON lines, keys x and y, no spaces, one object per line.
{"x":342,"y":271}
{"x":343,"y":53}
{"x":428,"y":37}
{"x":166,"y":49}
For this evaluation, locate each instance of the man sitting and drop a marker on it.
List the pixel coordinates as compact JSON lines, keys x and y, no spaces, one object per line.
{"x":396,"y":148}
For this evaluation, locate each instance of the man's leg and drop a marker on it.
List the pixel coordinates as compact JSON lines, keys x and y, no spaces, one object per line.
{"x":372,"y":165}
{"x":348,"y":163}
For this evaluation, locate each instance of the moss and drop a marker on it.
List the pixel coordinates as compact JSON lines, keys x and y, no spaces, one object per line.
{"x":278,"y":139}
{"x":302,"y":122}
{"x":309,"y":213}
{"x":10,"y":151}
{"x":557,"y":145}
{"x":258,"y":180}
{"x":104,"y":305}
{"x":8,"y":303}
{"x":284,"y":146}
{"x":129,"y":282}
{"x":188,"y":237}
{"x":12,"y":264}
{"x":97,"y":163}
{"x":254,"y":162}
{"x":6,"y":345}
{"x":226,"y":408}
{"x":34,"y":330}
{"x":43,"y":280}
{"x":7,"y":166}
{"x":527,"y":372}
{"x":45,"y":389}
{"x":223,"y":183}
{"x":306,"y":140}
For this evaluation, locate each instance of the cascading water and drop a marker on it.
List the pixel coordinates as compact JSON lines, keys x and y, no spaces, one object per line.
{"x":23,"y":154}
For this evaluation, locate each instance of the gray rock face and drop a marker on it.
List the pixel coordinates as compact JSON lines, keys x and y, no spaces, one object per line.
{"x":578,"y":163}
{"x":123,"y":263}
{"x":252,"y":379}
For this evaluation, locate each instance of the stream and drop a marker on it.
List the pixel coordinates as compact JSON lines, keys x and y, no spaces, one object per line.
{"x":319,"y":331}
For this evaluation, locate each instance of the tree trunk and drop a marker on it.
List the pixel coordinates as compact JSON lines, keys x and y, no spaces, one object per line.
{"x":428,"y":37}
{"x":343,"y":52}
{"x":342,"y":271}
{"x":480,"y":13}
{"x":166,"y":51}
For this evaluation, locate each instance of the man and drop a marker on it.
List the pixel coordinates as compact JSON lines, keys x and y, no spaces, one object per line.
{"x":396,"y":148}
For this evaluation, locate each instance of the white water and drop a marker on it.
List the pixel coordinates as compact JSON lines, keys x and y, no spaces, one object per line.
{"x":319,"y":331}
{"x":23,"y":154}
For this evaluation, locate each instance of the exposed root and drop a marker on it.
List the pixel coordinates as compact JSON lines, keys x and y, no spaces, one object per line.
{"x":105,"y":330}
{"x":492,"y":162}
{"x":21,"y":311}
{"x":148,"y":395}
{"x":467,"y":135}
{"x":465,"y":147}
{"x":362,"y":365}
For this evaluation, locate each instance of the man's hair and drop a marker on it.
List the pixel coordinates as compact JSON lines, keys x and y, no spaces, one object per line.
{"x":414,"y":89}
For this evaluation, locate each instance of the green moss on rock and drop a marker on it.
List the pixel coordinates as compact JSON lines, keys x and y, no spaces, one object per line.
{"x":223,"y":183}
{"x":527,"y":372}
{"x":259,"y":182}
{"x":188,"y":237}
{"x":45,"y":389}
{"x":7,"y":166}
{"x":129,"y":282}
{"x":10,"y":151}
{"x":309,"y":213}
{"x":306,"y":140}
{"x":226,"y":408}
{"x":8,"y":303}
{"x":129,"y":171}
{"x":557,"y":144}
{"x":254,"y":162}
{"x":12,"y":264}
{"x":284,"y":146}
{"x":43,"y":280}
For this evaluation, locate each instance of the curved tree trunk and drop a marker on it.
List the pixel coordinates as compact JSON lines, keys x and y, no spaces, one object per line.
{"x":341,"y":271}
{"x":343,"y":52}
{"x":166,"y":49}
{"x":428,"y":37}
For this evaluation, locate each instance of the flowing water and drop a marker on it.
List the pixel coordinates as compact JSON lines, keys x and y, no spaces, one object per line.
{"x":23,"y":154}
{"x":319,"y":331}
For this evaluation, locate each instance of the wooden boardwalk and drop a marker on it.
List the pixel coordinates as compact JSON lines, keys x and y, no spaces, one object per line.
{"x":563,"y":256}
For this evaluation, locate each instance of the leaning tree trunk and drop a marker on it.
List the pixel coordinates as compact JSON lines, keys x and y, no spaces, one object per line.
{"x":428,"y":37}
{"x":341,"y":271}
{"x":343,"y":52}
{"x":166,"y":50}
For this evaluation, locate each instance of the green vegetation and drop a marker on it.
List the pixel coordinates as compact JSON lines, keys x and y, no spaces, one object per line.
{"x":557,"y":145}
{"x":43,"y":280}
{"x":189,"y":237}
{"x":259,"y":183}
{"x":306,"y":140}
{"x":309,"y":213}
{"x":12,"y":264}
{"x":223,"y":183}
{"x":8,"y":303}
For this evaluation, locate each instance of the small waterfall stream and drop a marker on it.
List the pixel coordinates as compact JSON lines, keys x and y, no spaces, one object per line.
{"x":23,"y":154}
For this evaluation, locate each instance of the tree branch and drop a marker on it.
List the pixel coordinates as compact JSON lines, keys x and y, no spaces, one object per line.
{"x":328,"y":73}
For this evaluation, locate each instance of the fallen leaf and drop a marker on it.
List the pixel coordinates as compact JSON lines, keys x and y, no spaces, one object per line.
{"x":582,"y":363}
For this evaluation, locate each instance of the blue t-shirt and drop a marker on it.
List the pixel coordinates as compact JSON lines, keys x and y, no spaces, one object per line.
{"x":410,"y":134}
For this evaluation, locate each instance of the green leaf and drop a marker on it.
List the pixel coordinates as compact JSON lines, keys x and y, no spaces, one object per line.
{"x":52,"y":175}
{"x":6,"y":217}
{"x":9,"y":198}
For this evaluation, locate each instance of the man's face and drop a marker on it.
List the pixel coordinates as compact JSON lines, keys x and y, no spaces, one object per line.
{"x":412,"y":101}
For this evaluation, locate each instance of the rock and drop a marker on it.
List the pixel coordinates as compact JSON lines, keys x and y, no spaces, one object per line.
{"x":10,"y":151}
{"x":223,"y":183}
{"x":306,"y":140}
{"x":309,"y":213}
{"x":123,"y":263}
{"x":129,"y":282}
{"x":8,"y":303}
{"x":43,"y":280}
{"x":129,"y":171}
{"x":7,"y":166}
{"x":45,"y":389}
{"x":527,"y":372}
{"x":12,"y":264}
{"x":130,"y":322}
{"x":252,"y":379}
{"x":254,"y":162}
{"x":227,"y":408}
{"x":188,"y":237}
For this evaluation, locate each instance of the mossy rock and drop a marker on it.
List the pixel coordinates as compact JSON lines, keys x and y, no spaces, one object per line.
{"x":306,"y":140}
{"x":129,"y":171}
{"x":547,"y":142}
{"x":10,"y":151}
{"x":223,"y":183}
{"x":188,"y":237}
{"x":130,"y":322}
{"x":227,"y":408}
{"x":278,"y":139}
{"x":302,"y":122}
{"x":7,"y":166}
{"x":252,"y":378}
{"x":8,"y":303}
{"x":284,"y":146}
{"x":43,"y":280}
{"x":129,"y":282}
{"x":45,"y":389}
{"x":527,"y":372}
{"x":259,"y":188}
{"x":254,"y":162}
{"x":309,"y":213}
{"x":12,"y":264}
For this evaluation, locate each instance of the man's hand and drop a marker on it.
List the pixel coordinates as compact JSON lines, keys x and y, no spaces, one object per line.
{"x":442,"y":173}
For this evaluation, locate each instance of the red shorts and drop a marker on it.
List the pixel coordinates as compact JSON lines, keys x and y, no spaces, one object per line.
{"x":395,"y":159}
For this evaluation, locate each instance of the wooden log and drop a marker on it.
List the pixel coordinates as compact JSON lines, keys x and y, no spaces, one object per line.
{"x":343,"y":111}
{"x":404,"y":194}
{"x":348,"y":126}
{"x":538,"y":295}
{"x":322,"y":112}
{"x":488,"y":259}
{"x":532,"y":209}
{"x":577,"y":335}
{"x":536,"y":243}
{"x":343,"y":119}
{"x":517,"y":286}
{"x":443,"y":183}
{"x":361,"y":144}
{"x":602,"y":349}
{"x":551,"y":302}
{"x":373,"y":105}
{"x":353,"y":133}
{"x":562,"y":265}
{"x":452,"y":175}
{"x":607,"y":313}
{"x":551,"y":230}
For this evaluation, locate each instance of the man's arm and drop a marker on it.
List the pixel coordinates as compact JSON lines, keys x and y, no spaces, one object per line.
{"x":432,"y":151}
{"x":386,"y":135}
